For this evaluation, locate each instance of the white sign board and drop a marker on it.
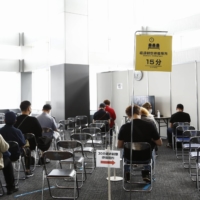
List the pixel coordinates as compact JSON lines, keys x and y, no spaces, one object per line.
{"x":105,"y":158}
{"x":119,"y":86}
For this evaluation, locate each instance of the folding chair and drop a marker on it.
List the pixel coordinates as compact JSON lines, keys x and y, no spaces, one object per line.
{"x":35,"y":152}
{"x":84,"y":138}
{"x":191,"y":146}
{"x":179,"y":136}
{"x":197,"y":168}
{"x":105,"y":131}
{"x":49,"y":133}
{"x":76,"y":128}
{"x":3,"y":192}
{"x":193,"y":155}
{"x":141,"y":155}
{"x":66,"y":126}
{"x":61,"y":130}
{"x":82,"y":121}
{"x":96,"y":134}
{"x":79,"y":161}
{"x":16,"y":161}
{"x":59,"y":173}
{"x":175,"y":124}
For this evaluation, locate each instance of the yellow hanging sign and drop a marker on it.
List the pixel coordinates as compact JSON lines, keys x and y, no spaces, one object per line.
{"x":153,"y":53}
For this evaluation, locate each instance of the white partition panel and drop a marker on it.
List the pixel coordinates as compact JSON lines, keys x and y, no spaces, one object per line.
{"x":159,"y":86}
{"x":104,"y":87}
{"x":120,"y":95}
{"x":183,"y":89}
{"x":140,"y":87}
{"x":198,"y":76}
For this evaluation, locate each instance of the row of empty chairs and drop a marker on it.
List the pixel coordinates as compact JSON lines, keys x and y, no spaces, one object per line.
{"x":189,"y":138}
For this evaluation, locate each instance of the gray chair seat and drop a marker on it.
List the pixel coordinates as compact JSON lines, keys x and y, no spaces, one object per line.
{"x":76,"y":160}
{"x":95,"y":142}
{"x":187,"y":146}
{"x":193,"y":154}
{"x":88,"y":149}
{"x":62,"y":173}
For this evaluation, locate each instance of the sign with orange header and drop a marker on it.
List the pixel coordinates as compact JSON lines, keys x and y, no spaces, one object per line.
{"x":153,"y":53}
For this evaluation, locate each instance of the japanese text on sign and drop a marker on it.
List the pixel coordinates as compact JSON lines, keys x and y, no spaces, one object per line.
{"x":153,"y":53}
{"x":105,"y":158}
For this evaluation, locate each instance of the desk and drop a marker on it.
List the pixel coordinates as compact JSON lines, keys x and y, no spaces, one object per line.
{"x":162,"y":122}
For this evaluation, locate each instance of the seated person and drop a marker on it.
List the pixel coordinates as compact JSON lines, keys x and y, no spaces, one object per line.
{"x":142,"y":132}
{"x":148,"y":106}
{"x":28,"y":124}
{"x":101,"y":114}
{"x":6,"y":166}
{"x":47,"y":121}
{"x":10,"y":133}
{"x":179,"y":116}
{"x":146,"y":116}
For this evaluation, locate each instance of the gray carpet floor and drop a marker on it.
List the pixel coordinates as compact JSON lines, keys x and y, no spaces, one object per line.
{"x":172,"y":182}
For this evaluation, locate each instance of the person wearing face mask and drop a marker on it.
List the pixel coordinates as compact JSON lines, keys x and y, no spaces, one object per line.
{"x":179,"y":116}
{"x":148,"y":106}
{"x":28,"y":124}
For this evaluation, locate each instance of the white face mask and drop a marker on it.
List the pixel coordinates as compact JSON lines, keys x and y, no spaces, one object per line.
{"x":150,"y":111}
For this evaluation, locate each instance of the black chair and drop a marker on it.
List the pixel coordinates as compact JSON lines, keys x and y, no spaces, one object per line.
{"x":192,"y":145}
{"x":48,"y":132}
{"x":75,"y":128}
{"x":82,"y":121}
{"x":33,"y":147}
{"x":141,"y":155}
{"x":59,"y":173}
{"x":66,"y":126}
{"x":15,"y":158}
{"x":175,"y":124}
{"x":79,"y":161}
{"x":96,"y":134}
{"x":84,"y":138}
{"x":179,"y":138}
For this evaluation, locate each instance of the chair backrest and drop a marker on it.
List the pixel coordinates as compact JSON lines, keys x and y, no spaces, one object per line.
{"x":98,"y":125}
{"x":14,"y":150}
{"x":175,"y":124}
{"x":91,"y":130}
{"x":69,"y":144}
{"x":181,"y":128}
{"x":58,"y":155}
{"x":141,"y":151}
{"x":47,"y":132}
{"x":81,"y":120}
{"x":191,"y":133}
{"x":31,"y":137}
{"x":82,"y":137}
{"x":104,"y":122}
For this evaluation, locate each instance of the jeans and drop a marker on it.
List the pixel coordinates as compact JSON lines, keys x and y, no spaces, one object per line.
{"x":169,"y":135}
{"x":146,"y":167}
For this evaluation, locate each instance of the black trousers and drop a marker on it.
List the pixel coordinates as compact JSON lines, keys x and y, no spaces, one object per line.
{"x":8,"y":173}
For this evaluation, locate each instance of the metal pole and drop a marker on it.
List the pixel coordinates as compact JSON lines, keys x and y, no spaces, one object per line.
{"x":170,"y":92}
{"x":197,"y":96}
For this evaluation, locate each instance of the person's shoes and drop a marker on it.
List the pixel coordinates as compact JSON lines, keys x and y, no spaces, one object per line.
{"x":169,"y":145}
{"x":10,"y":191}
{"x":147,"y":178}
{"x":127,"y":176}
{"x":29,"y":174}
{"x":41,"y":161}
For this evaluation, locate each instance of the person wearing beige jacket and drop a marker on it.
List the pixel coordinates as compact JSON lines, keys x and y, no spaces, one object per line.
{"x":6,"y":166}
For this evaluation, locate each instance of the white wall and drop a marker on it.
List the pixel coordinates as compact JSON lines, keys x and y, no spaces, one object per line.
{"x":10,"y":90}
{"x":168,"y":91}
